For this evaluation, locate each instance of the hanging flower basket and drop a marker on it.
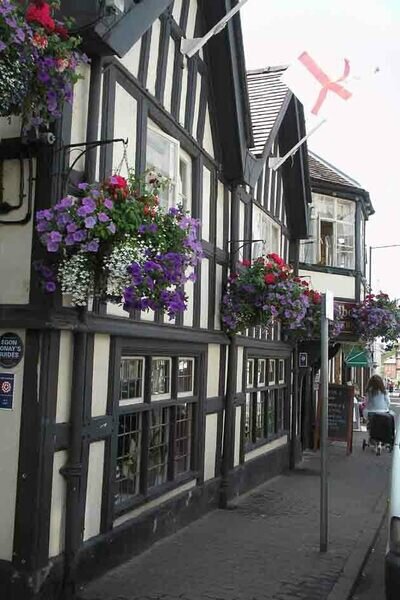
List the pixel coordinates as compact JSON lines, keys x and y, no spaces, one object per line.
{"x":263,"y":291}
{"x":117,"y":244}
{"x":310,"y":326}
{"x":377,"y":317}
{"x":38,"y":63}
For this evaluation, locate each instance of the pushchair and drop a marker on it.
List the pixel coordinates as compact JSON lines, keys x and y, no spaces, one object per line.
{"x":381,"y":432}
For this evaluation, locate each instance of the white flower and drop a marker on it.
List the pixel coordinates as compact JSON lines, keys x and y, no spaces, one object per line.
{"x":75,"y":278}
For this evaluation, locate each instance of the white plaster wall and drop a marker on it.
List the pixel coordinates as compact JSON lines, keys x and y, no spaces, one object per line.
{"x":170,"y":75}
{"x":124,"y":127}
{"x":191,"y":22}
{"x":132,"y":58}
{"x":342,"y":286}
{"x":65,"y":364}
{"x":238,"y":433}
{"x":10,"y":127}
{"x":239,"y":380}
{"x":188,"y":314}
{"x":116,"y":310}
{"x":58,"y":500}
{"x":282,"y":441}
{"x":210,"y":446}
{"x":101,"y":356}
{"x":197,"y":105}
{"x":241,"y":226}
{"x":205,"y":217}
{"x":218,"y":294}
{"x":157,"y":502}
{"x":177,"y":9}
{"x":15,"y":240}
{"x":213,"y":370}
{"x":94,"y":490}
{"x":182,"y":107}
{"x":205,"y":265}
{"x":153,"y":58}
{"x":208,"y":144}
{"x":79,"y":114}
{"x":10,"y":422}
{"x":147,"y":315}
{"x":220,"y":215}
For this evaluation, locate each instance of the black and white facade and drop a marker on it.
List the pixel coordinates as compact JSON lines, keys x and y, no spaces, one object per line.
{"x":116,"y":434}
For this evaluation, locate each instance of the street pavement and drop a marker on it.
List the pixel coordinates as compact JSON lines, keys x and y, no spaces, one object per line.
{"x":268,"y":547}
{"x":371,"y":584}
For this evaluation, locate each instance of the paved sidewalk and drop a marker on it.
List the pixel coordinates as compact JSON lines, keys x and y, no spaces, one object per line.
{"x":268,"y":548}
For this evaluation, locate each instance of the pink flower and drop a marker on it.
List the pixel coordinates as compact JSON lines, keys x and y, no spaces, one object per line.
{"x":62,"y":64}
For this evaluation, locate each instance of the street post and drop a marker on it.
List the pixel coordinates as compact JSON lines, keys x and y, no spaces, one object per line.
{"x":326,"y":315}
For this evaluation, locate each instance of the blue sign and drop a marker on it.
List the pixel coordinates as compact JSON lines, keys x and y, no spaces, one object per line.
{"x":6,"y":390}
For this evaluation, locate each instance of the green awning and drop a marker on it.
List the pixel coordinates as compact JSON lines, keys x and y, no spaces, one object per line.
{"x":358,"y":357}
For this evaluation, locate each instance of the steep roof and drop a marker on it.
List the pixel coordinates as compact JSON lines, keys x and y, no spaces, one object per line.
{"x":324,"y":171}
{"x":267,"y":96}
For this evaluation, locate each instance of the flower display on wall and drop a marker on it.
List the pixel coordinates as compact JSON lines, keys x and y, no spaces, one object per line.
{"x":116,"y":242}
{"x":264,"y":290}
{"x":38,"y":62}
{"x":377,"y":317}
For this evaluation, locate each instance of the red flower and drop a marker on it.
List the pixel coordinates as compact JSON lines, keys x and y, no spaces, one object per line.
{"x":246,"y":263}
{"x":269,"y":278}
{"x":41,"y":14}
{"x":269,"y":266}
{"x":40,"y":41}
{"x":62,"y":31}
{"x":305,"y":283}
{"x":297,"y":280}
{"x":117,"y":182}
{"x":283,"y":275}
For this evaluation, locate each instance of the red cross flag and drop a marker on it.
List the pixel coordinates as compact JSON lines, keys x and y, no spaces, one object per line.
{"x":321,"y":86}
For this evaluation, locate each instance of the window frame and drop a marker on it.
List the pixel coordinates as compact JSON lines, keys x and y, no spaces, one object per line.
{"x":268,"y":225}
{"x":191,"y":391}
{"x":138,"y":399}
{"x":193,"y":404}
{"x":173,"y":190}
{"x":250,"y":383}
{"x":165,"y":395}
{"x":266,"y":396}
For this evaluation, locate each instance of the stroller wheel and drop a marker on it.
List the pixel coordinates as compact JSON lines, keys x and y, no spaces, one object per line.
{"x":364,"y":445}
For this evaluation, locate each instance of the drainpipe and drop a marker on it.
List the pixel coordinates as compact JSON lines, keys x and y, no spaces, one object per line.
{"x":72,"y":471}
{"x":228,"y":438}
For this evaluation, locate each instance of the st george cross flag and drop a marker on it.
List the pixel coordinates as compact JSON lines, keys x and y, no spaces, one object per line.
{"x":322,"y":86}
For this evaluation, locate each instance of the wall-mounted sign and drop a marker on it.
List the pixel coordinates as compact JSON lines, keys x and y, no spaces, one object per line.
{"x":6,"y":391}
{"x":303,"y":360}
{"x":11,"y":350}
{"x":344,"y":309}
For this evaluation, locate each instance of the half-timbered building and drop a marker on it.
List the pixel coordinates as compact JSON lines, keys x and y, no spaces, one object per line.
{"x":116,"y":433}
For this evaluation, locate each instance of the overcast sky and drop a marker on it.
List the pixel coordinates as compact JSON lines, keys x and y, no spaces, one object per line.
{"x":364,"y":142}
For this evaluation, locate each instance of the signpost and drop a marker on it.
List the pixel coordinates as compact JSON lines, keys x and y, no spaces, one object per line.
{"x":326,"y":315}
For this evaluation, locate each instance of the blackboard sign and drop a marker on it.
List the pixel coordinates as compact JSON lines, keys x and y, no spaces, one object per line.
{"x":340,"y":415}
{"x":11,"y":350}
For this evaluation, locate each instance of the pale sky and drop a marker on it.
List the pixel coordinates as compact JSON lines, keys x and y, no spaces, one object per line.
{"x":364,"y":142}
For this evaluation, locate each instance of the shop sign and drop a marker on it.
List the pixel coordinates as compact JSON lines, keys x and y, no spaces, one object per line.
{"x":344,"y":309}
{"x":6,"y":391}
{"x":11,"y":350}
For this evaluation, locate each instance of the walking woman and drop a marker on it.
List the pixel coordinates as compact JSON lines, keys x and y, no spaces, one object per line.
{"x":377,"y":410}
{"x":377,"y":397}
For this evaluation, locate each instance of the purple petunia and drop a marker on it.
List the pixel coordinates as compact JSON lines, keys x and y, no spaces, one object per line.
{"x":111,"y":227}
{"x":108,"y":203}
{"x":90,"y":222}
{"x":80,"y":235}
{"x":103,"y":218}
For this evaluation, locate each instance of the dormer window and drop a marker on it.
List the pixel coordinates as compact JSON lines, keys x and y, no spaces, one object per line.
{"x":332,"y":239}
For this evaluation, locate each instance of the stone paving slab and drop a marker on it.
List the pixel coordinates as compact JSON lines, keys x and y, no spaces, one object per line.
{"x":268,"y":547}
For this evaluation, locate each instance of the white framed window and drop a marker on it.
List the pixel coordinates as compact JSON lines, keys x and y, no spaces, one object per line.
{"x":281,"y":371}
{"x":262,"y":372}
{"x":131,"y":380}
{"x":332,"y":240}
{"x":185,"y":180}
{"x":271,"y":371}
{"x":160,"y":378}
{"x":250,"y":373}
{"x":267,"y":230}
{"x":162,"y":156}
{"x":185,"y":377}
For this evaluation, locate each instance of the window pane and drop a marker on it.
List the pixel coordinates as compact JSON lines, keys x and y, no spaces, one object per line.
{"x":271,"y":412}
{"x":131,"y":378}
{"x":281,"y":374}
{"x":185,"y":376}
{"x":261,"y":372}
{"x":345,"y":245}
{"x":183,"y":438}
{"x":345,"y":211}
{"x":325,"y":207}
{"x":250,"y":373}
{"x":128,"y":457}
{"x":160,"y":376}
{"x":162,"y":156}
{"x":158,"y":447}
{"x":248,"y":424}
{"x":260,"y":416}
{"x":271,"y":371}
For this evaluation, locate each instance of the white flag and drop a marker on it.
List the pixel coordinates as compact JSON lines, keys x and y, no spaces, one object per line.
{"x":322,"y":87}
